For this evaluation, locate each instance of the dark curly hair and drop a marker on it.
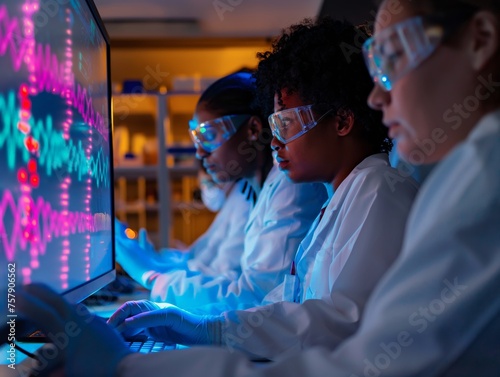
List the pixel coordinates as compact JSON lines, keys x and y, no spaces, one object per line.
{"x":322,"y":62}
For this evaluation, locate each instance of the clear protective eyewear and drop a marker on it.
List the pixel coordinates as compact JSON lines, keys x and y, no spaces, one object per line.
{"x":290,"y":124}
{"x":395,"y":51}
{"x":211,"y":134}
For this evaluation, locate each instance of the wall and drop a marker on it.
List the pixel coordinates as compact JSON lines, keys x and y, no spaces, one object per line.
{"x":157,"y":65}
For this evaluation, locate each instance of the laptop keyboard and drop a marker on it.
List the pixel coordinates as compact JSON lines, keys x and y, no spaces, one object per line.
{"x":143,"y":344}
{"x":149,"y":346}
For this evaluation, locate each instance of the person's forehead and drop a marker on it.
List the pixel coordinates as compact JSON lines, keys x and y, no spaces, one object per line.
{"x":202,"y":115}
{"x":392,"y":12}
{"x":289,"y":100}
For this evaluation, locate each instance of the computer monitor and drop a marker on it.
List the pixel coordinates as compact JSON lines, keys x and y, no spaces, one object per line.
{"x":56,"y":196}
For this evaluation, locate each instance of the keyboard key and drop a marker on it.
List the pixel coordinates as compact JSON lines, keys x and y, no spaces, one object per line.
{"x":148,"y":346}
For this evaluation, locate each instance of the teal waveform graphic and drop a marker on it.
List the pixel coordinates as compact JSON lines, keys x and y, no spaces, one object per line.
{"x":57,"y":155}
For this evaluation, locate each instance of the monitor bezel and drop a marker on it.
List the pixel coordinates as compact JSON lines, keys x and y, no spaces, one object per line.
{"x":79,"y":293}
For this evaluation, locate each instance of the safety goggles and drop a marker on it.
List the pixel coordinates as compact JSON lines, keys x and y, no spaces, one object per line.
{"x":290,"y":124}
{"x":211,"y":134}
{"x":395,"y":51}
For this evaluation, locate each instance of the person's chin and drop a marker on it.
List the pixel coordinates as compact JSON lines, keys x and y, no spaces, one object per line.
{"x":220,"y":177}
{"x":405,"y":151}
{"x":411,"y":153}
{"x":293,"y":176}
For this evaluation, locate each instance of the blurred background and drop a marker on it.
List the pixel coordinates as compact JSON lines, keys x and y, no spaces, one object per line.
{"x":206,"y":37}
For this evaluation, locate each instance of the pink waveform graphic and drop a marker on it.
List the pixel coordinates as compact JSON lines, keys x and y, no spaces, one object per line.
{"x":50,"y":77}
{"x":48,"y":224}
{"x":49,"y":72}
{"x":17,"y":48}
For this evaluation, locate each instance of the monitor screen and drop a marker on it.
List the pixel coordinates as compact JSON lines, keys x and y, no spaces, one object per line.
{"x":56,"y":197}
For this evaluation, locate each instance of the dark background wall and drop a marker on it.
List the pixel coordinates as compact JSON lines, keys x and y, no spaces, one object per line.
{"x":355,"y":11}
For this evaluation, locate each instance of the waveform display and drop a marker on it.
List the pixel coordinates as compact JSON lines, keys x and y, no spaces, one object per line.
{"x":46,"y":225}
{"x":49,"y":74}
{"x":55,"y":198}
{"x":11,"y":40}
{"x":50,"y":77}
{"x":70,"y":157}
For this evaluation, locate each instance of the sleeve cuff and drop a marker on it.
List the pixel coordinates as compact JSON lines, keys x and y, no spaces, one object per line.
{"x":148,"y":279}
{"x":127,"y":365}
{"x":215,"y":330}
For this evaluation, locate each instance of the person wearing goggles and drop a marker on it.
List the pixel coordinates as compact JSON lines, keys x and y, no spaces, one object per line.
{"x":436,"y":65}
{"x":396,"y":51}
{"x":219,"y":249}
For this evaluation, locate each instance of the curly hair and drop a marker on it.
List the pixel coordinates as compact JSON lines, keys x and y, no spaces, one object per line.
{"x":322,"y":63}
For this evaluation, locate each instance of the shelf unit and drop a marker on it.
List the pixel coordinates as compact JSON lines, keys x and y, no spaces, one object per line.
{"x":163,"y":118}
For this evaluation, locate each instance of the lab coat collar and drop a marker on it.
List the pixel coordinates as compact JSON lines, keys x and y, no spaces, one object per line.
{"x":489,"y":124}
{"x":256,"y":184}
{"x":252,"y":187}
{"x":372,"y":160}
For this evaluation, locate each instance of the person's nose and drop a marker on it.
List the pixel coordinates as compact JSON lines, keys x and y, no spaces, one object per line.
{"x":276,"y":145}
{"x":379,"y":98}
{"x":200,"y":152}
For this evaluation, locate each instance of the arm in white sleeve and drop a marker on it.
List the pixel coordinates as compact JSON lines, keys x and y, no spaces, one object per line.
{"x":220,"y":248}
{"x":356,"y":250}
{"x":282,"y":216}
{"x":217,"y":251}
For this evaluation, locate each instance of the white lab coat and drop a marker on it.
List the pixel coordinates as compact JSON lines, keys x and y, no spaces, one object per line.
{"x":340,"y":261}
{"x":435,"y":313}
{"x":277,"y":224}
{"x":219,"y":249}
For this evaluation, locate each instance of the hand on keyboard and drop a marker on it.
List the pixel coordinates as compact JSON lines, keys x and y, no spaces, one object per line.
{"x":166,"y":322}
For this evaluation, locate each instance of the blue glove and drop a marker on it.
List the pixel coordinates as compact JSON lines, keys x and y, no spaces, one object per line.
{"x":82,"y":343}
{"x":140,"y":259}
{"x":173,"y":259}
{"x":142,"y":246}
{"x":137,"y":257}
{"x":167,"y":323}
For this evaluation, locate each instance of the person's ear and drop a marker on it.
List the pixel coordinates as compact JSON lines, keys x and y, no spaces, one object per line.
{"x":344,"y":124}
{"x":485,"y":33}
{"x":254,"y":128}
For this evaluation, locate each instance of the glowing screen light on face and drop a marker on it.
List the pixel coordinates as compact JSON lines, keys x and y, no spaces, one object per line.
{"x":55,"y":165}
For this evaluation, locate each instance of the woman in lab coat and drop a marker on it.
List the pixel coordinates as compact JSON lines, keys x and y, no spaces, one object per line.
{"x":219,"y":249}
{"x":437,"y":310}
{"x":248,"y":248}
